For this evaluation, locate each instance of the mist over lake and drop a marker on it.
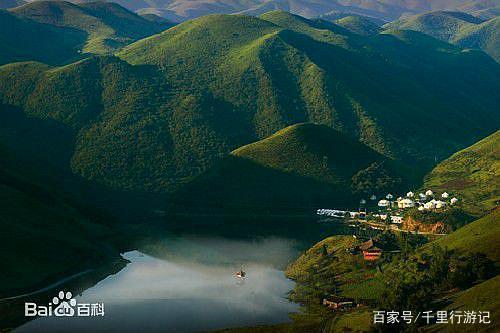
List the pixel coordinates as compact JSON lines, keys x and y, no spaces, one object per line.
{"x":190,"y":286}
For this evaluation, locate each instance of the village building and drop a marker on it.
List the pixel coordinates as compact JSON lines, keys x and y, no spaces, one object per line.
{"x":410,"y":194}
{"x":420,"y":208}
{"x":422,"y":196}
{"x":429,"y":205}
{"x":384,"y":203}
{"x":339,"y":303}
{"x":429,"y":193}
{"x":439,"y":204}
{"x":406,"y":203}
{"x":372,"y":254}
{"x":389,"y":196}
{"x":445,"y":195}
{"x":453,"y":200}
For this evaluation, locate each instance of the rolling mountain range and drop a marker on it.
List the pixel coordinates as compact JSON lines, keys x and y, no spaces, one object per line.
{"x":167,"y":108}
{"x":457,"y":28}
{"x":297,"y":169}
{"x":387,"y":10}
{"x":62,"y":30}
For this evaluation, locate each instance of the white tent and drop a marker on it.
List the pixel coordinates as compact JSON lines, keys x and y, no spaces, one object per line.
{"x":445,"y":195}
{"x":429,"y":192}
{"x":406,"y":203}
{"x":410,"y":194}
{"x":384,"y":203}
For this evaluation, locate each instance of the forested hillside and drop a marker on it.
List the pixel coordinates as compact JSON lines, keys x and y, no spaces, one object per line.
{"x":457,"y":28}
{"x":167,"y":108}
{"x":296,"y":170}
{"x":106,"y":26}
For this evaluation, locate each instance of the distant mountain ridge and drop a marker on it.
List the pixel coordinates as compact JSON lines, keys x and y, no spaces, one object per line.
{"x":387,"y":10}
{"x":456,"y":28}
{"x":107,"y":26}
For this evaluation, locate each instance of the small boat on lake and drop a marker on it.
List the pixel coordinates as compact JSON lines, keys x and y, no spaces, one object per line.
{"x":241,"y":274}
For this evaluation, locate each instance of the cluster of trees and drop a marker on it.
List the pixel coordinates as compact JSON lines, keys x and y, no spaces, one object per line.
{"x":411,"y":283}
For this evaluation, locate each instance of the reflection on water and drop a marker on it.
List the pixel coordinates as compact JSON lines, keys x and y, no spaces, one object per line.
{"x":186,"y":284}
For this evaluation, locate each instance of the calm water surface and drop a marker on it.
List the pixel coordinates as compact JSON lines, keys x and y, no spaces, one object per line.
{"x":186,"y":284}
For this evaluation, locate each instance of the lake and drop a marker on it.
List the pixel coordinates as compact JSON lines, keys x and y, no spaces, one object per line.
{"x":187,"y":284}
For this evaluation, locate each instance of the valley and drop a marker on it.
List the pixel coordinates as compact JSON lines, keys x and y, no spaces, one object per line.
{"x":150,"y":149}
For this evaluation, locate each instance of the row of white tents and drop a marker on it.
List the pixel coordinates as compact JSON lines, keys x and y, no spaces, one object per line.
{"x":420,"y":201}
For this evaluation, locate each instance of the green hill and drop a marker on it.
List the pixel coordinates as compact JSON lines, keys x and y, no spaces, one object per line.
{"x":359,"y":25}
{"x":472,"y":174}
{"x":298,"y":169}
{"x":457,"y":28}
{"x":481,"y":296}
{"x":108,"y":26}
{"x":168,"y":107}
{"x":480,"y":236}
{"x":23,"y":39}
{"x":485,"y":36}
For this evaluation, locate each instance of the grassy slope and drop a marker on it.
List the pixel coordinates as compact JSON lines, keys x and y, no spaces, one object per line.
{"x":23,"y":39}
{"x":457,"y":28}
{"x":297,"y":169}
{"x":473,"y":174}
{"x":178,"y":106}
{"x":108,"y":26}
{"x":479,"y":236}
{"x":485,"y":36}
{"x":352,"y":276}
{"x":481,"y":297}
{"x":359,"y":25}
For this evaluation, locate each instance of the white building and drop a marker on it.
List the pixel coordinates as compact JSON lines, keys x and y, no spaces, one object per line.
{"x":389,"y":196}
{"x":422,"y":196}
{"x":406,"y":203}
{"x":397,"y":219}
{"x":445,"y":195}
{"x":410,"y":194}
{"x":439,"y":204}
{"x":453,"y":200}
{"x":429,"y":205}
{"x":384,"y":203}
{"x":429,"y":193}
{"x":421,"y":208}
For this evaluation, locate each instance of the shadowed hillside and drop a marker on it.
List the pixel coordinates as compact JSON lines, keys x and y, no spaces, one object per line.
{"x":457,"y":28}
{"x":296,"y":170}
{"x":23,"y":39}
{"x":108,"y":26}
